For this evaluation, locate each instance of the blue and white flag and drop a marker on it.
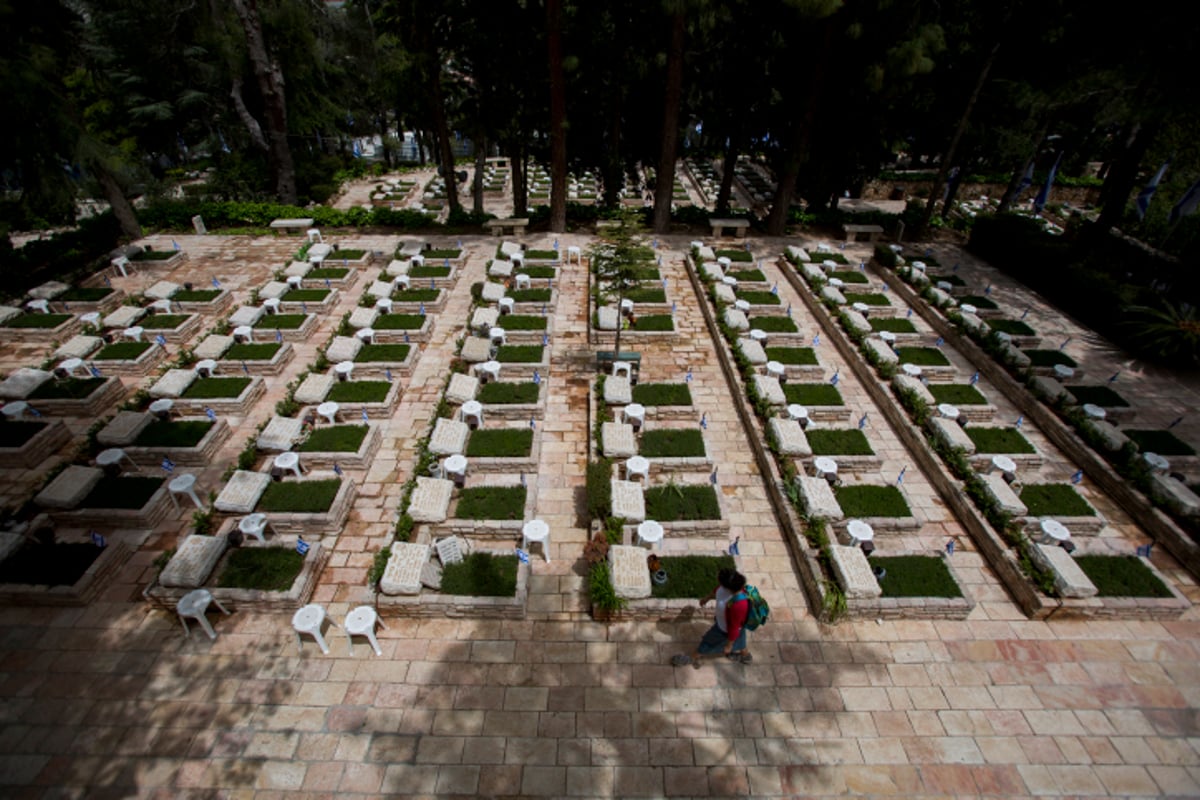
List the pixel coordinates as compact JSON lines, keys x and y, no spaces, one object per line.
{"x":656,"y":244}
{"x":940,"y":341}
{"x":301,"y":546}
{"x":1066,"y":342}
{"x":537,"y":377}
{"x":836,"y":377}
{"x":1114,"y":377}
{"x":775,"y":290}
{"x":975,"y":378}
{"x":97,"y":539}
{"x":816,"y":340}
{"x":545,"y":339}
{"x":543,"y":309}
{"x":33,"y":411}
{"x":421,"y":310}
{"x":1142,"y":203}
{"x":789,"y":310}
{"x":1020,"y":420}
{"x":107,"y":282}
{"x":1143,"y":550}
{"x":1039,"y":202}
{"x":160,"y":340}
{"x":688,"y":377}
{"x":446,"y":263}
{"x":365,"y":418}
{"x":328,"y":284}
{"x":406,"y":337}
{"x":862,"y":422}
{"x":357,"y":150}
{"x":1025,"y":313}
{"x":216,"y":283}
{"x":862,"y":266}
{"x":522,"y":556}
{"x":212,"y":415}
{"x":713,"y":478}
{"x":304,"y":306}
{"x":734,"y":547}
{"x":278,"y":335}
{"x":168,"y":465}
{"x":556,"y":245}
{"x":432,"y":283}
{"x":245,"y":369}
{"x":1176,"y":422}
{"x":987,"y":289}
{"x":704,"y":420}
{"x":900,"y":477}
{"x":1186,"y":205}
{"x":92,"y":368}
{"x":175,"y":244}
{"x":909,"y":315}
{"x":673,"y":308}
{"x":336,"y":469}
{"x":1077,"y":477}
{"x":387,"y":373}
{"x":523,"y":484}
{"x":1026,"y":181}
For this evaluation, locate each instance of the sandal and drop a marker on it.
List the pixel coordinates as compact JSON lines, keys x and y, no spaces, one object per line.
{"x":742,"y":658}
{"x":680,"y":660}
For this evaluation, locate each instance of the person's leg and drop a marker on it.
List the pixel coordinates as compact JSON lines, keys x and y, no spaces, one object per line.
{"x":739,"y":652}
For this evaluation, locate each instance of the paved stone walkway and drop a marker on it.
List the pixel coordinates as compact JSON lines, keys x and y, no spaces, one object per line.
{"x":112,"y":701}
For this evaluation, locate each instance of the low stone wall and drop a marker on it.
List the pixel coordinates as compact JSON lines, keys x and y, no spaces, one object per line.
{"x":360,"y":459}
{"x":283,"y":356}
{"x":198,"y":457}
{"x":110,"y":392}
{"x":311,"y":307}
{"x":80,"y":593}
{"x":157,"y":508}
{"x":180,"y":333}
{"x":44,"y":336}
{"x":42,"y":445}
{"x":236,"y":406}
{"x":136,"y":367}
{"x":218,"y":305}
{"x":316,"y":526}
{"x":435,"y":605}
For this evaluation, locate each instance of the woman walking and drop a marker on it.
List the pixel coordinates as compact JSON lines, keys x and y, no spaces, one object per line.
{"x":727,"y":636}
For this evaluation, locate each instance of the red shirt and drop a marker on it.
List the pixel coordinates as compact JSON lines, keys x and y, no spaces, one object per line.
{"x":736,"y":611}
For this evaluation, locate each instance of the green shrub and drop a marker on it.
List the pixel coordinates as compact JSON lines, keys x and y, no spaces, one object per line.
{"x":1098,"y":395}
{"x":812,"y":394}
{"x":334,"y":439}
{"x":213,"y":388}
{"x":299,"y":497}
{"x":838,"y":442}
{"x":281,"y":322}
{"x":922,"y":356}
{"x":481,"y":575}
{"x":1164,"y":443}
{"x":998,"y":440}
{"x":672,"y":443}
{"x":893,"y":324}
{"x":519,"y":353}
{"x":599,"y":488}
{"x":126,"y":492}
{"x":673,"y":503}
{"x":803,"y":356}
{"x":500,"y":442}
{"x":399,"y":322}
{"x":956,"y":394}
{"x":1055,"y":500}
{"x":252,"y":351}
{"x":778,"y":324}
{"x":500,"y":393}
{"x":1049,"y":358}
{"x":269,"y":569}
{"x":600,"y":589}
{"x":391,"y":353}
{"x":180,"y":433}
{"x":872,"y":501}
{"x":916,"y":576}
{"x":690,"y":576}
{"x":885,"y":255}
{"x":662,"y":394}
{"x":491,"y":502}
{"x":871,"y":299}
{"x":359,"y":391}
{"x":122,"y":351}
{"x":1122,"y":576}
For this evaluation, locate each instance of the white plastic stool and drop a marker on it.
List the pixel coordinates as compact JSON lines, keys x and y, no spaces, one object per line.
{"x":161,"y":306}
{"x":517,"y":259}
{"x":288,"y":462}
{"x":829,"y":265}
{"x":1053,"y":531}
{"x":499,"y":336}
{"x":384,"y":305}
{"x":862,"y":308}
{"x":523,"y":281}
{"x":314,"y":236}
{"x":472,"y":414}
{"x":506,"y":305}
{"x":271,"y":305}
{"x":759,"y":335}
{"x":1005,"y":466}
{"x":626,"y":307}
{"x":799,"y":413}
{"x":776,"y":370}
{"x":742,"y":305}
{"x":67,"y":367}
{"x":193,"y":605}
{"x":825,"y":467}
{"x":967,"y":308}
{"x":135,"y":333}
{"x":401,"y":282}
{"x":294,"y":281}
{"x":536,"y":531}
{"x":888,"y":338}
{"x":39,"y":306}
{"x":206,"y":368}
{"x":622,"y":368}
{"x":418,"y":260}
{"x":635,"y":415}
{"x":911,"y":370}
{"x":254,"y":525}
{"x":725,"y":262}
{"x":1157,"y":463}
{"x":488,"y":371}
{"x":730,"y":281}
{"x":945,"y":286}
{"x":344,"y":370}
{"x":454,"y":468}
{"x":948,"y":411}
{"x":1093,"y":411}
{"x":121,"y":263}
{"x":576,"y":253}
{"x":112,"y":458}
{"x":161,"y":408}
{"x":308,"y":620}
{"x":859,"y":532}
{"x":184,"y":484}
{"x":329,"y":410}
{"x":91,"y":318}
{"x":838,"y":283}
{"x":243,"y":333}
{"x":919,"y":266}
{"x":365,"y":335}
{"x":637,"y":467}
{"x":650,"y":532}
{"x":1063,"y":372}
{"x":15,"y":409}
{"x":361,"y":622}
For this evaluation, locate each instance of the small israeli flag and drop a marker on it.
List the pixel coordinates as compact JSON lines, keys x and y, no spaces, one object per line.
{"x":523,"y":484}
{"x":537,"y":377}
{"x":556,"y":245}
{"x":278,"y":335}
{"x":543,"y":309}
{"x":789,"y":310}
{"x":656,"y":244}
{"x":713,"y":478}
{"x":107,"y":282}
{"x":532,"y":424}
{"x":522,"y":556}
{"x":1020,"y":420}
{"x":345,"y":264}
{"x":545,"y":339}
{"x":175,"y":244}
{"x":987,"y":289}
{"x":704,"y":420}
{"x":734,"y":549}
{"x":900,"y":477}
{"x":673,"y":307}
{"x":660,"y":261}
{"x":92,"y":368}
{"x":975,"y":378}
{"x":950,"y":547}
{"x":1065,"y":343}
{"x":245,"y":369}
{"x":328,"y":285}
{"x":549,"y":283}
{"x":406,"y":337}
{"x":1077,"y":477}
{"x":365,"y":418}
{"x":160,"y":340}
{"x":387,"y":373}
{"x":216,"y":283}
{"x":212,"y":415}
{"x":336,"y":469}
{"x":884,"y":288}
{"x":1143,"y":550}
{"x":1026,"y":312}
{"x":1113,"y":379}
{"x":955,"y":268}
{"x":460,"y":244}
{"x":168,"y":465}
{"x":421,"y":309}
{"x":940,"y":341}
{"x":304,"y":307}
{"x":842,"y":246}
{"x":862,"y":266}
{"x":816,"y":340}
{"x":446,"y":263}
{"x":862,"y":421}
{"x":33,"y":411}
{"x":432,"y":284}
{"x":664,"y":283}
{"x":97,"y":539}
{"x":836,"y":377}
{"x":1176,"y":422}
{"x":747,"y":246}
{"x":688,"y":377}
{"x":301,"y":546}
{"x":775,"y":290}
{"x":909,"y":315}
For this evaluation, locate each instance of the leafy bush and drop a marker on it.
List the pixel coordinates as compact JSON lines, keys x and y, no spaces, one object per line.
{"x":491,"y":502}
{"x":599,"y":488}
{"x":481,"y":575}
{"x":1055,"y":500}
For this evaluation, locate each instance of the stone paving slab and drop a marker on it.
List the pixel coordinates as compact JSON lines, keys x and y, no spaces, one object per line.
{"x":628,"y":573}
{"x":402,"y":575}
{"x":193,"y":562}
{"x":430,"y":501}
{"x":449,"y":437}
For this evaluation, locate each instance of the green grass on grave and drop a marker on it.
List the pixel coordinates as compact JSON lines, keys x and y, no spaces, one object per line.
{"x":800,"y":356}
{"x":530,"y":295}
{"x":450,"y":253}
{"x":195,"y":295}
{"x":871,"y":501}
{"x":268,"y":569}
{"x":359,"y":391}
{"x":871,"y":299}
{"x":672,"y":443}
{"x":773,"y":324}
{"x":163,"y":322}
{"x":1098,"y":395}
{"x":252,"y":351}
{"x":1013,"y":327}
{"x":327,"y":273}
{"x":541,"y":255}
{"x":37,"y":321}
{"x":759,"y":298}
{"x":956,"y":394}
{"x":735,"y":256}
{"x":1122,"y":576}
{"x":335,"y":439}
{"x":893,"y":324}
{"x":812,"y":394}
{"x":654,"y":323}
{"x":481,"y":575}
{"x":647,"y":295}
{"x":979,"y":301}
{"x":922,"y":356}
{"x":180,"y":433}
{"x":299,"y":497}
{"x":391,"y":353}
{"x":305,"y":295}
{"x":1050,"y":358}
{"x":16,"y":433}
{"x":281,"y":322}
{"x":522,"y":322}
{"x":122,"y":492}
{"x":84,"y":294}
{"x":416,"y":295}
{"x":60,"y":564}
{"x":647,"y":274}
{"x":519,"y":354}
{"x":539,"y":273}
{"x":491,"y":502}
{"x":501,"y":393}
{"x":916,"y":576}
{"x":749,"y":275}
{"x":122,"y":351}
{"x":838,"y":442}
{"x":850,"y":276}
{"x":399,"y":322}
{"x":951,"y":279}
{"x":1055,"y":500}
{"x":500,"y":443}
{"x":819,"y":257}
{"x":662,"y":394}
{"x":690,"y":576}
{"x":215,"y":388}
{"x":1006,"y":441}
{"x":429,"y":272}
{"x":347,"y":254}
{"x":675,"y":502}
{"x":153,"y":255}
{"x":67,"y":389}
{"x":1164,"y":443}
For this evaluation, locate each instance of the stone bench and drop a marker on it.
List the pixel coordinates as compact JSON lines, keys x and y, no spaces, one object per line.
{"x":853,"y":572}
{"x":1069,"y":579}
{"x":500,"y":227}
{"x":719,"y":225}
{"x":290,"y":226}
{"x":853,"y":232}
{"x":952,"y":434}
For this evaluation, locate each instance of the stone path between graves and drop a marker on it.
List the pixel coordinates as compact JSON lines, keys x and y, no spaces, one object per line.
{"x":112,"y":701}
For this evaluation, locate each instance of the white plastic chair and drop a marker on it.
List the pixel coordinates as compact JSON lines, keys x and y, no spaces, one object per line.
{"x":361,"y":622}
{"x":308,"y":620}
{"x":194,"y":604}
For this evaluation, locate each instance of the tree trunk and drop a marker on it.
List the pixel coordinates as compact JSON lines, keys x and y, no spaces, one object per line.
{"x":443,"y":132}
{"x":558,"y":118}
{"x":798,"y":153}
{"x":952,"y":190}
{"x":121,"y":207}
{"x":727,"y":164}
{"x":1122,"y":177}
{"x":252,"y":126}
{"x":672,"y":103}
{"x":517,"y":168}
{"x":270,"y":88}
{"x":477,"y":182}
{"x":959,"y":129}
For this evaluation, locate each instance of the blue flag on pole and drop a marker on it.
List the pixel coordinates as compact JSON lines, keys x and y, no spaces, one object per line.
{"x":1142,"y":203}
{"x":834,"y":380}
{"x":278,"y":335}
{"x":1026,"y":181}
{"x":1077,"y":477}
{"x":522,"y":556}
{"x":704,"y":420}
{"x":713,"y":478}
{"x":245,"y":369}
{"x":387,"y":373}
{"x":900,"y":477}
{"x":975,"y":378}
{"x":734,"y":547}
{"x":1020,"y":420}
{"x":336,"y":469}
{"x":97,"y":539}
{"x":216,"y":283}
{"x":168,"y":464}
{"x":94,"y":370}
{"x":301,"y":546}
{"x":532,"y":423}
{"x":688,"y":377}
{"x":537,"y":377}
{"x":523,"y":483}
{"x":816,"y":340}
{"x":212,"y":415}
{"x":1186,"y":205}
{"x":160,"y":340}
{"x":862,"y":422}
{"x":1039,"y":202}
{"x":421,"y":309}
{"x":365,"y":418}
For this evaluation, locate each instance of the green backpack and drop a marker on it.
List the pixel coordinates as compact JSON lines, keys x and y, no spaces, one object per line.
{"x":758,"y":612}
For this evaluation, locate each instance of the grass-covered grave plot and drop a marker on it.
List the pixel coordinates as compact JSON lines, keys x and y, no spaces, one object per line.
{"x":999,"y":441}
{"x":1055,"y":500}
{"x":872,"y":501}
{"x":676,"y":503}
{"x":915,"y":576}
